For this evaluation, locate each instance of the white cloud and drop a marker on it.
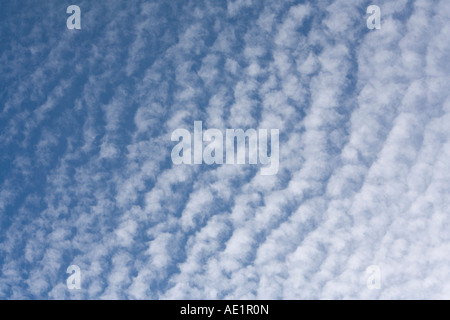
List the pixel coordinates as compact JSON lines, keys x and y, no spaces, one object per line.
{"x":364,"y":148}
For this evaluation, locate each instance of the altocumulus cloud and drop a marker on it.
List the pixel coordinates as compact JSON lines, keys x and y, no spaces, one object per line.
{"x":86,"y":175}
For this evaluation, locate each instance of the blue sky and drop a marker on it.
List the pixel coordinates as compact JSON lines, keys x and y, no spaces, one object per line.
{"x":86,"y":176}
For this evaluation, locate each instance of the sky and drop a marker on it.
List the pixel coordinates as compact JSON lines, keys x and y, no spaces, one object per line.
{"x":86,"y":176}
